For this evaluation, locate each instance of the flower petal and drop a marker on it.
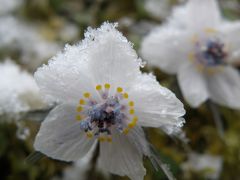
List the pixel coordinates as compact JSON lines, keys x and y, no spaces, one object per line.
{"x":230,"y":31}
{"x":166,"y":48}
{"x":104,"y":56}
{"x":122,"y":156}
{"x":66,"y":76}
{"x":203,"y":14}
{"x":60,"y":136}
{"x":155,"y":105}
{"x":193,"y":85}
{"x":224,"y":87}
{"x":112,"y":58}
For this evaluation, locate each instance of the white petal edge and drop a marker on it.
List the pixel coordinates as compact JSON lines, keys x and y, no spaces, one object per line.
{"x":123,"y":156}
{"x":60,"y":136}
{"x":203,"y":14}
{"x":155,"y":105}
{"x":166,"y":48}
{"x":193,"y":85}
{"x":224,"y":87}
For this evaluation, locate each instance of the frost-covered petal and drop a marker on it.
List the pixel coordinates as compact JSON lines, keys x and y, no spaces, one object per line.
{"x":166,"y":48}
{"x":230,"y":32}
{"x":18,"y":90}
{"x":155,"y":105}
{"x":193,"y":85}
{"x":123,"y":156}
{"x":60,"y":136}
{"x":203,"y":14}
{"x":224,"y":87}
{"x":112,"y":58}
{"x":66,"y":76}
{"x":104,"y":56}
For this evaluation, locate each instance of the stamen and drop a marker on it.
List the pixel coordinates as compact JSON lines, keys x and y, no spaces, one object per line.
{"x":101,"y":138}
{"x":87,"y":95}
{"x":98,"y":87}
{"x":109,"y":139}
{"x":78,"y":118}
{"x":131,"y":111}
{"x":79,"y":109}
{"x":82,"y":102}
{"x":98,"y":118}
{"x":126,"y":131}
{"x":131,"y":103}
{"x":107,"y":86}
{"x":119,"y":89}
{"x":89,"y":134}
{"x":125,"y":95}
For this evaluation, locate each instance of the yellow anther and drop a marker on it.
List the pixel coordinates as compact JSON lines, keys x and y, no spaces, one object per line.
{"x":131,"y":111}
{"x":135,"y":119}
{"x":79,"y":108}
{"x":109,"y":139}
{"x":101,"y":139}
{"x":107,"y":86}
{"x":89,"y":134}
{"x":87,"y":95}
{"x":131,"y":103}
{"x":98,"y":87}
{"x":82,"y":102}
{"x":126,"y":131}
{"x":125,"y":95}
{"x":119,"y":89}
{"x":191,"y":56}
{"x":78,"y":117}
{"x":132,"y":124}
{"x":210,"y":30}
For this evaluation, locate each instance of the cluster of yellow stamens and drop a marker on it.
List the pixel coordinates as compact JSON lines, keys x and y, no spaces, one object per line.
{"x":97,"y":118}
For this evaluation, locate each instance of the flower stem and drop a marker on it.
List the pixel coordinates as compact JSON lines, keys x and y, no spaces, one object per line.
{"x":217,"y":118}
{"x":157,"y":163}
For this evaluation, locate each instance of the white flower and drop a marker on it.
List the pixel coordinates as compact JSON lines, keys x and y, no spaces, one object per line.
{"x":16,"y":35}
{"x":103,"y":97}
{"x":211,"y":166}
{"x":158,"y":8}
{"x":198,"y":45}
{"x":7,"y":6}
{"x":18,"y":90}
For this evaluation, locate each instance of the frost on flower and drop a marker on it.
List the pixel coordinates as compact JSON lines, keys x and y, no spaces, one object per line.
{"x":103,"y":98}
{"x":15,"y":35}
{"x":18,"y":90}
{"x":199,"y":46}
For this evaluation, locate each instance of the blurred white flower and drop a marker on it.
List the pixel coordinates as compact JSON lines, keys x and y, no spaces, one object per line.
{"x":210,"y":166}
{"x":7,"y":6}
{"x":68,"y":32}
{"x":199,"y":46}
{"x":16,"y":35}
{"x":18,"y":90}
{"x":103,"y":97}
{"x":160,"y":8}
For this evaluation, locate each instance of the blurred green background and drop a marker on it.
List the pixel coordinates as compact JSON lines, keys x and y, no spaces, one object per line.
{"x":51,"y":17}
